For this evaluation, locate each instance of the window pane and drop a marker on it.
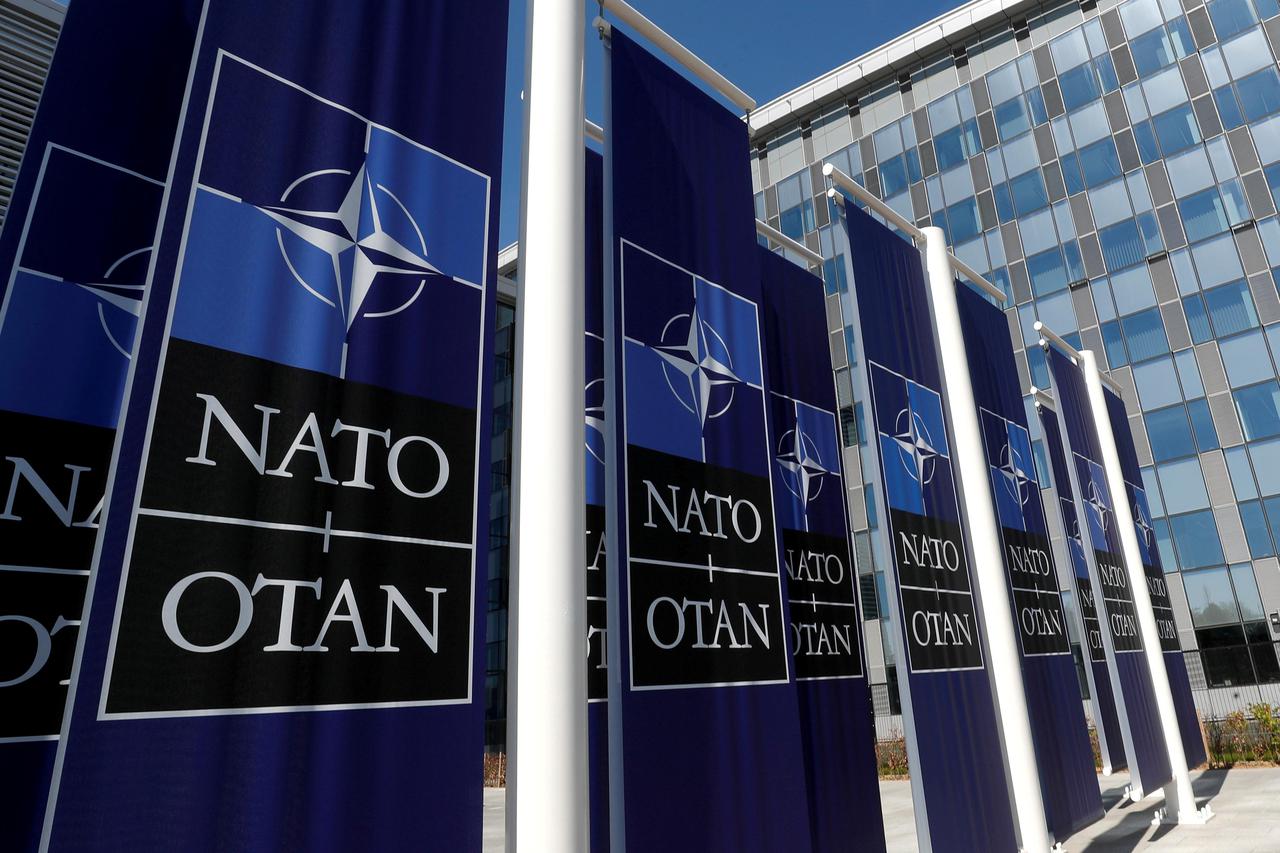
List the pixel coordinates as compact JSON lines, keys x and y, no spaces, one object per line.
{"x":1196,"y":538}
{"x":1255,"y":530}
{"x":963,"y":220}
{"x":893,"y":176}
{"x":1122,"y":245}
{"x":1012,"y":119}
{"x":1231,"y":308}
{"x":1247,"y":53}
{"x":1100,"y":163}
{"x":1246,"y":359}
{"x":1202,"y":424}
{"x":1231,"y":16}
{"x":1259,"y":409}
{"x":1176,"y":129}
{"x":1259,"y":94}
{"x":1048,"y":272}
{"x":1217,"y":262}
{"x":1145,"y":334}
{"x":1197,"y":318}
{"x":1170,"y":434}
{"x":1211,"y":599}
{"x":1157,"y":384}
{"x":1189,"y":172}
{"x":1029,"y":192}
{"x":1203,"y":215}
{"x":1228,"y":107}
{"x":1247,"y":593}
{"x":1079,"y":87}
{"x":1113,"y":341}
{"x":1183,"y":486}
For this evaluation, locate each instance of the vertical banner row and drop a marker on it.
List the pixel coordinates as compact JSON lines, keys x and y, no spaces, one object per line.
{"x":77,"y":241}
{"x":282,"y":620}
{"x":705,"y":751}
{"x":1157,"y":586}
{"x":1097,"y":669}
{"x":959,"y":784}
{"x":596,"y":557}
{"x":1064,"y":756}
{"x":836,"y":722}
{"x":1131,"y":683}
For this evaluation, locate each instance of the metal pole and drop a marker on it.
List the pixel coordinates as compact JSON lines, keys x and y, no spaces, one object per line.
{"x":547,"y":786}
{"x":630,"y":16}
{"x":1180,"y":801}
{"x":767,"y":231}
{"x":1004,"y":665}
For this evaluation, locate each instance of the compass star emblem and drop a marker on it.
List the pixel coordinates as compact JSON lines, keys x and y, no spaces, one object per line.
{"x":802,"y":469}
{"x":357,"y":242}
{"x":1015,"y":476}
{"x":915,"y":446}
{"x":693,"y":366}
{"x":1143,"y":524}
{"x":595,"y":419}
{"x":120,"y":294}
{"x":1075,"y":535}
{"x":1097,"y":504}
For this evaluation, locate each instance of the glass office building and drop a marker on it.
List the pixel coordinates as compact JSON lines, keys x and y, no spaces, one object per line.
{"x":1115,"y":168}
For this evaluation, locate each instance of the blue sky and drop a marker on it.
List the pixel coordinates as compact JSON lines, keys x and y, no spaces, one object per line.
{"x":766,"y":47}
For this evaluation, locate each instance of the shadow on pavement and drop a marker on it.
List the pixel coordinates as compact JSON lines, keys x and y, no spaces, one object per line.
{"x":1132,"y":829}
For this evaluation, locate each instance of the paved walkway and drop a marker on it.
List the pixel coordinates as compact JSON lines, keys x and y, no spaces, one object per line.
{"x":1246,"y":801}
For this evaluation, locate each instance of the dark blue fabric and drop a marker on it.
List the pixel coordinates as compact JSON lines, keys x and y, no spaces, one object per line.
{"x":597,"y":710}
{"x":958,"y":755}
{"x":1068,"y":781}
{"x":693,"y":766}
{"x":1106,"y":720}
{"x":88,"y":192}
{"x":1131,"y":677}
{"x":837,"y":720}
{"x":1153,"y":568}
{"x":406,"y":778}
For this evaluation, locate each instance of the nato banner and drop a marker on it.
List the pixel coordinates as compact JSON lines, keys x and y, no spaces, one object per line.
{"x":1064,"y":757}
{"x":704,"y":731}
{"x":1157,"y":586}
{"x":1097,"y":672}
{"x":280,"y":647}
{"x":593,"y":403}
{"x":1130,"y":676}
{"x":960,"y":789}
{"x":74,"y":254}
{"x":821,"y":582}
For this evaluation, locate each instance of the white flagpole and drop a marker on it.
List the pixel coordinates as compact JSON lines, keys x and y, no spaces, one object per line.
{"x":1180,"y":801}
{"x":1003,"y":666}
{"x":547,"y":781}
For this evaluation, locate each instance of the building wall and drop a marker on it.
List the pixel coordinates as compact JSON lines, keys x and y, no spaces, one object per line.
{"x":1115,"y":168}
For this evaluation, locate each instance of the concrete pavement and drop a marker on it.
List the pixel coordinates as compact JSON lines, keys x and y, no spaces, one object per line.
{"x":1247,"y":803}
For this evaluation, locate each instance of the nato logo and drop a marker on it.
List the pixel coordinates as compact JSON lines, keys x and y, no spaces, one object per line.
{"x":806,"y":466}
{"x":593,"y":420}
{"x":1142,"y":524}
{"x":692,"y":365}
{"x":69,"y":314}
{"x":320,"y":239}
{"x":1013,"y":474}
{"x":1097,"y":502}
{"x":913,"y":444}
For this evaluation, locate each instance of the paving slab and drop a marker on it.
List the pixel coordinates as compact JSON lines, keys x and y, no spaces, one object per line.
{"x":1246,"y":802}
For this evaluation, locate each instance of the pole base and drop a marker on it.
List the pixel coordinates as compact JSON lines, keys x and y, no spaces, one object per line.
{"x":1197,"y":817}
{"x":1133,"y":793}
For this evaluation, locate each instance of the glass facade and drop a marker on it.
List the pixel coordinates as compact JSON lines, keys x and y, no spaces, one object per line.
{"x":1115,"y":168}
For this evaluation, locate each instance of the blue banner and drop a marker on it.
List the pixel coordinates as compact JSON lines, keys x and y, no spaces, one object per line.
{"x":1157,"y":587}
{"x":1131,"y":683}
{"x":809,"y":492}
{"x":705,"y":751}
{"x":961,"y":790}
{"x":1097,"y":671}
{"x":74,"y":253}
{"x":281,"y":648}
{"x":596,"y":558}
{"x":1064,"y":757}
